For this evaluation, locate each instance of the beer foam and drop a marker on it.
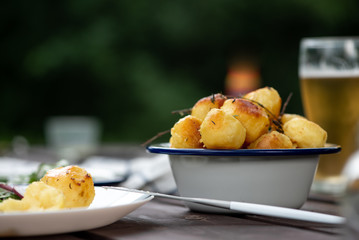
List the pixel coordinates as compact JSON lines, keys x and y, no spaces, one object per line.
{"x":329,"y":73}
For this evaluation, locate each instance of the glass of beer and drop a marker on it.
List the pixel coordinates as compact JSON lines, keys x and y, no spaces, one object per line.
{"x":329,"y":81}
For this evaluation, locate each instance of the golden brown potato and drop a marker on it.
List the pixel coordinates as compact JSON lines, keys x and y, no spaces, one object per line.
{"x":74,"y":182}
{"x":220,"y":130}
{"x":254,"y":118}
{"x":272,"y":140}
{"x":305,"y":133}
{"x":38,"y":197}
{"x":268,"y":97}
{"x":289,"y":116}
{"x":64,"y":187}
{"x":185,"y":133}
{"x":204,"y":105}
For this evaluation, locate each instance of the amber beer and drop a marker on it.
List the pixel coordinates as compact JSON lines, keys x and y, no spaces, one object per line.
{"x":332,"y":101}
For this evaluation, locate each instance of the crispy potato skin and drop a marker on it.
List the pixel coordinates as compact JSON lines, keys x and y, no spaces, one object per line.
{"x":305,"y":133}
{"x":204,"y":105}
{"x":253,"y":117}
{"x":259,"y":114}
{"x":185,"y":133}
{"x":272,"y":140}
{"x":268,"y":97}
{"x":75,"y":183}
{"x":220,"y":130}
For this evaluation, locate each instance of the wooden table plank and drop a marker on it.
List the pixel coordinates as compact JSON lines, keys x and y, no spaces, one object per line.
{"x":167,"y":219}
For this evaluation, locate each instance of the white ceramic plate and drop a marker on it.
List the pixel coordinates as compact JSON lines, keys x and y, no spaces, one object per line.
{"x":107,"y":207}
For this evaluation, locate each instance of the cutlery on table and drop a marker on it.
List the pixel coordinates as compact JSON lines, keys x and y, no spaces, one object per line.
{"x":250,"y":208}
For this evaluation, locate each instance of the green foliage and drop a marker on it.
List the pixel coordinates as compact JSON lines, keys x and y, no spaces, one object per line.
{"x":130,"y":63}
{"x":6,"y":194}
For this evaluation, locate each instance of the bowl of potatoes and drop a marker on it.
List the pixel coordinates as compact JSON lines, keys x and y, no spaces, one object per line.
{"x":245,"y":149}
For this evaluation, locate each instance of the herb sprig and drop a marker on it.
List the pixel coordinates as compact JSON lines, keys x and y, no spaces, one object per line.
{"x":7,"y":191}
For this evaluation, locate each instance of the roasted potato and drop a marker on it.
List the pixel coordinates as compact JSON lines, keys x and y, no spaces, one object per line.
{"x":74,"y":182}
{"x":185,"y":133}
{"x":204,"y":105}
{"x":272,"y":140}
{"x":268,"y":97}
{"x":38,"y":197}
{"x":305,"y":133}
{"x":65,"y":187}
{"x":211,"y":124}
{"x":289,"y":116}
{"x":253,"y":117}
{"x":220,"y":130}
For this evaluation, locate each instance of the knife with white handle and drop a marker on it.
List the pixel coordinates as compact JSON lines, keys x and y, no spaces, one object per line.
{"x":251,"y":208}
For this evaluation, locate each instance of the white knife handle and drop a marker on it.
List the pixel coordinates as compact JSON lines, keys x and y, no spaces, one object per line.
{"x":287,"y":213}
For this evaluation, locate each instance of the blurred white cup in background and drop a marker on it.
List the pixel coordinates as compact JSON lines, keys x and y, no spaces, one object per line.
{"x":73,"y":137}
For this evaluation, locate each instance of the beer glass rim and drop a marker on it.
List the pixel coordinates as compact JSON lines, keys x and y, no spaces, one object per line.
{"x":321,"y":48}
{"x":328,"y":41}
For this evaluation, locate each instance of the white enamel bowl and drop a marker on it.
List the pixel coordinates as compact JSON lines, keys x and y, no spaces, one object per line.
{"x":278,"y":177}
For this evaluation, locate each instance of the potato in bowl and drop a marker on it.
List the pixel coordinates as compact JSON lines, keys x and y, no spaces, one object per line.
{"x":259,"y":112}
{"x":252,"y":151}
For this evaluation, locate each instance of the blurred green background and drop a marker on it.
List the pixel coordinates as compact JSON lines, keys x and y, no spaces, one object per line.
{"x":131,"y":62}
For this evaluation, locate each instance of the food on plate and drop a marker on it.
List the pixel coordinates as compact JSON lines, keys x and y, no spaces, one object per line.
{"x":76,"y":184}
{"x":305,"y":133}
{"x":254,"y":121}
{"x":185,"y":133}
{"x":272,"y":140}
{"x":268,"y":97}
{"x":204,"y":105}
{"x":65,"y":187}
{"x":221,"y":130}
{"x":253,"y":117}
{"x":38,"y":196}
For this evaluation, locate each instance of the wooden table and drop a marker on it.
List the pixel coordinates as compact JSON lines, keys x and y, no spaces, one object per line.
{"x":171,"y":219}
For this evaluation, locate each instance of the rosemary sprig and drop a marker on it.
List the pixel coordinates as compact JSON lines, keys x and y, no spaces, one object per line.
{"x":9,"y":192}
{"x":276,"y":121}
{"x":182,"y":112}
{"x":155,"y":137}
{"x":213,"y":98}
{"x":285,"y":105}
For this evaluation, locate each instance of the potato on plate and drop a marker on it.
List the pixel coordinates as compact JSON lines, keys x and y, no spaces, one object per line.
{"x":64,"y":187}
{"x":220,"y":130}
{"x":38,"y":197}
{"x":204,"y":105}
{"x":74,"y":182}
{"x":185,"y":133}
{"x":305,"y":133}
{"x":253,"y":117}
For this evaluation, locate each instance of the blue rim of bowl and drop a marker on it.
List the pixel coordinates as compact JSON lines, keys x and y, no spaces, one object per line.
{"x":163,"y":148}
